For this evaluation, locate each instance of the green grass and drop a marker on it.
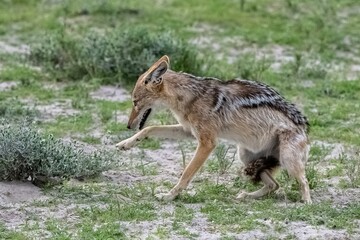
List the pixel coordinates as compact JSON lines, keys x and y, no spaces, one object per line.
{"x":31,"y":90}
{"x":146,"y":169}
{"x":67,"y":125}
{"x":351,"y":167}
{"x":183,"y":216}
{"x":7,"y":234}
{"x":57,"y":229}
{"x":108,"y":108}
{"x":91,"y":140}
{"x":22,"y":74}
{"x":244,"y":216}
{"x":208,"y":191}
{"x":108,"y":230}
{"x":150,"y":143}
{"x":12,"y":108}
{"x":118,"y":211}
{"x":115,"y":127}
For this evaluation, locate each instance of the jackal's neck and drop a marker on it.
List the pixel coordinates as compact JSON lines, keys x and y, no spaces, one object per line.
{"x":181,"y":90}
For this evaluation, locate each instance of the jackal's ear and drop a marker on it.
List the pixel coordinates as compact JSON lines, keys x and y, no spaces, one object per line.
{"x":165,"y":58}
{"x":156,"y":71}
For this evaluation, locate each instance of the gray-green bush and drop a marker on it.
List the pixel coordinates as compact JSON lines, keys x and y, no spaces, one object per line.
{"x":25,"y":152}
{"x":122,"y":54}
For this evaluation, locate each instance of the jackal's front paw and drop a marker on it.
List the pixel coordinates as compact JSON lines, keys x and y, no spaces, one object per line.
{"x":125,"y":145}
{"x":166,"y":197}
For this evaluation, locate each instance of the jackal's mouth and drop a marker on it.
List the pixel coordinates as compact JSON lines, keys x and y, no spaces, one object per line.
{"x":144,"y":118}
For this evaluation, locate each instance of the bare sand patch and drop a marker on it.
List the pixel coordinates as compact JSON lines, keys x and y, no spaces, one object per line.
{"x":111,"y":93}
{"x":8,"y":48}
{"x":18,"y":191}
{"x":7,"y":86}
{"x":49,"y":112}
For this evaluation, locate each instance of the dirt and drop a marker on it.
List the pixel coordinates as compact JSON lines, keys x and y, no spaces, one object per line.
{"x":353,"y":73}
{"x":198,"y":227}
{"x":17,"y":191}
{"x":8,"y":48}
{"x":166,"y":159}
{"x":121,"y":117}
{"x":278,"y":55}
{"x":49,"y":112}
{"x":303,"y":230}
{"x":334,"y":150}
{"x":7,"y":86}
{"x":110,"y":93}
{"x":14,"y":195}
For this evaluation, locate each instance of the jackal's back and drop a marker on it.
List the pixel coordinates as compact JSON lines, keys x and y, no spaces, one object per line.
{"x":226,"y":97}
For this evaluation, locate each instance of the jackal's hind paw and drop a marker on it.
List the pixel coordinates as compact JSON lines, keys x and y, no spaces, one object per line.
{"x":125,"y":145}
{"x":307,"y":201}
{"x":166,"y":197}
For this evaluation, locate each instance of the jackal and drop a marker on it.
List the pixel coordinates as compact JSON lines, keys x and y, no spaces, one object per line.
{"x":269,"y":131}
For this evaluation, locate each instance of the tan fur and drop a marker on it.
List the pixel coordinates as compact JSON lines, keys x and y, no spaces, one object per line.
{"x":246,"y":113}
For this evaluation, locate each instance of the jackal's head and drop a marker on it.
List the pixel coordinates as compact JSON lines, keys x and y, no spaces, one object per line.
{"x":146,"y":93}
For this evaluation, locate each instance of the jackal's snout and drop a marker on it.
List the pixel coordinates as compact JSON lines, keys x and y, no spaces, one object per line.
{"x":133,"y":122}
{"x":138,"y":119}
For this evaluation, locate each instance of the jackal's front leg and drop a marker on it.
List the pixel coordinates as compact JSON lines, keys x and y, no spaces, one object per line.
{"x":168,"y":131}
{"x":203,"y":151}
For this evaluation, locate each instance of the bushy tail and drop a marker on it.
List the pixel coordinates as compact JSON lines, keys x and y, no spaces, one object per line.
{"x":256,"y":167}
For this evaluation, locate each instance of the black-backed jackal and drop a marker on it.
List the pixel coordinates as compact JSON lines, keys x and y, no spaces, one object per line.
{"x":269,"y":131}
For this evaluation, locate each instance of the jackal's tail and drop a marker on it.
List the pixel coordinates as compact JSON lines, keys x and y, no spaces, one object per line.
{"x":256,"y":167}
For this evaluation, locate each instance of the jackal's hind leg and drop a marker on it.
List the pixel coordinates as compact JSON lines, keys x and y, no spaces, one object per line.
{"x":270,"y":185}
{"x":293,"y":157}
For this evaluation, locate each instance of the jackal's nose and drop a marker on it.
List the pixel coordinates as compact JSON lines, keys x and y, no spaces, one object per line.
{"x":128,"y":126}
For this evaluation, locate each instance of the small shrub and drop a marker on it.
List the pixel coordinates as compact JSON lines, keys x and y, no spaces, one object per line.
{"x":15,"y":110}
{"x":305,"y":67}
{"x":251,"y":68}
{"x":313,"y":176}
{"x":221,"y":163}
{"x":57,"y":53}
{"x":24,"y":153}
{"x":122,"y":54}
{"x":352,"y":169}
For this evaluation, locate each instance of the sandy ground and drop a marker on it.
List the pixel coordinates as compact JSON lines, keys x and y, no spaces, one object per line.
{"x":17,"y":198}
{"x":8,"y":48}
{"x":7,"y":86}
